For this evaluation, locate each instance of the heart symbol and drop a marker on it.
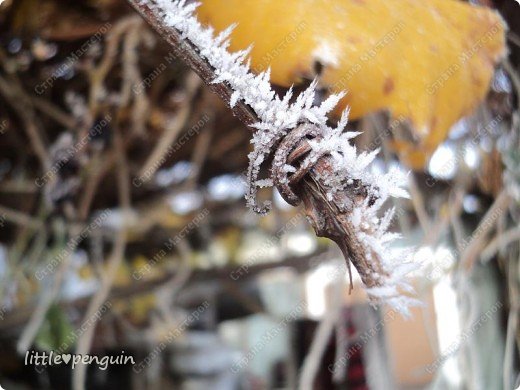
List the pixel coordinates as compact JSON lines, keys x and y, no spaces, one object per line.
{"x":66,"y":357}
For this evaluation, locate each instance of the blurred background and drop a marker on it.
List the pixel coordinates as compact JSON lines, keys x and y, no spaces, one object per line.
{"x":124,"y":229}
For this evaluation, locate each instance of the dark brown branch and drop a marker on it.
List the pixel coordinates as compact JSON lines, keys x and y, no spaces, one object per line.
{"x":186,"y":52}
{"x":328,"y":217}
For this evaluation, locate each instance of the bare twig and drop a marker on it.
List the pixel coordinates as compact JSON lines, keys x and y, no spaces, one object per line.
{"x":512,"y":321}
{"x":54,"y":112}
{"x":515,"y":78}
{"x":500,"y":241}
{"x":131,"y":73}
{"x":132,"y":78}
{"x":24,"y":109}
{"x":455,"y":208}
{"x":99,"y":166}
{"x":418,"y":204}
{"x":442,"y":221}
{"x":173,"y":128}
{"x":199,"y":155}
{"x":312,"y":361}
{"x":115,"y":260}
{"x":513,"y":38}
{"x":201,"y":150}
{"x":20,"y":218}
{"x":85,"y":340}
{"x":170,"y":289}
{"x":98,"y":74}
{"x":499,"y":207}
{"x":19,"y":186}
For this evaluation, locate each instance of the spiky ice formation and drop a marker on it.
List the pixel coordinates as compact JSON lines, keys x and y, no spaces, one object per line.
{"x":277,"y":116}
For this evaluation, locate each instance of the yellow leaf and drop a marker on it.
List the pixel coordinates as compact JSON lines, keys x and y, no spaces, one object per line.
{"x":429,"y":62}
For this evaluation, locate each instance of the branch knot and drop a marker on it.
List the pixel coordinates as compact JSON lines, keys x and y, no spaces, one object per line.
{"x":292,"y":149}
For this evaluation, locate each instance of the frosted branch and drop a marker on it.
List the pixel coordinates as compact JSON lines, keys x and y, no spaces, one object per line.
{"x":312,"y":162}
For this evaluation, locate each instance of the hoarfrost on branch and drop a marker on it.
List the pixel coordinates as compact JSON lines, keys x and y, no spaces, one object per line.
{"x":277,"y":117}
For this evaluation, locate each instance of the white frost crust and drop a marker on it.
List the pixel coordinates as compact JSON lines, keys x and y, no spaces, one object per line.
{"x":277,"y":116}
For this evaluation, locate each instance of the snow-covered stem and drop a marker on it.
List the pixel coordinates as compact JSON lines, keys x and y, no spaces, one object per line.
{"x":313,"y":162}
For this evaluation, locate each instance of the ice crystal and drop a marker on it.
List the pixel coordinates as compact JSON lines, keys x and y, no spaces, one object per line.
{"x":277,"y":116}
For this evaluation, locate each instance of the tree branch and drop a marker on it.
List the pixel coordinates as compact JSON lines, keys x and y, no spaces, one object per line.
{"x":286,"y":131}
{"x":188,"y":54}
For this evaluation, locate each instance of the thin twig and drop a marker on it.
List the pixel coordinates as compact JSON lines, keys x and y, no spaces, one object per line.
{"x":514,"y":78}
{"x":85,"y":340}
{"x":200,"y":154}
{"x":54,"y":112}
{"x":454,"y":213}
{"x":20,"y":218}
{"x":25,"y":112}
{"x":442,"y":221}
{"x":19,"y":186}
{"x":170,"y":290}
{"x":499,"y":207}
{"x":99,"y":165}
{"x":500,"y":242}
{"x":130,"y":57}
{"x":98,"y":74}
{"x":173,"y":128}
{"x":418,"y":203}
{"x":513,"y":38}
{"x":512,"y":321}
{"x":114,"y":262}
{"x":312,"y":361}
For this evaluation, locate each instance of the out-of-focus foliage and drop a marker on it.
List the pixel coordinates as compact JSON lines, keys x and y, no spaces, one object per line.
{"x":428,"y":62}
{"x":55,"y":331}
